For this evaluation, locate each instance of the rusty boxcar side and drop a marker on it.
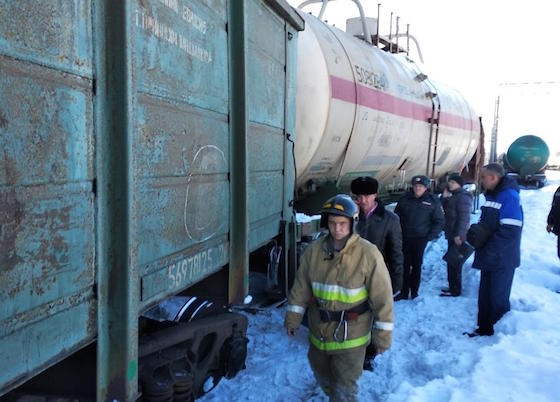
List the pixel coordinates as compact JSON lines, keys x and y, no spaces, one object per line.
{"x":141,"y":143}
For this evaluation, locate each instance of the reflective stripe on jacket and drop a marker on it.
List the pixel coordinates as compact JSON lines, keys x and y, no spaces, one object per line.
{"x":340,"y":282}
{"x":503,"y":215}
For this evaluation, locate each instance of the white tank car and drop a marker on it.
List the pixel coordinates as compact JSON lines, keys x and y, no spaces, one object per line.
{"x":362,"y":110}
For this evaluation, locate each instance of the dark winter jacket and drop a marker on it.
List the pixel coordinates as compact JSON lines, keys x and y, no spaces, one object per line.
{"x":503,"y":217}
{"x":554,"y":214}
{"x":383,"y":229}
{"x":420,"y":217}
{"x":457,"y":209}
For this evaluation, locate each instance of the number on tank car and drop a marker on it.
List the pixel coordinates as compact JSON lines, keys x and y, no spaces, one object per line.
{"x":370,"y":78}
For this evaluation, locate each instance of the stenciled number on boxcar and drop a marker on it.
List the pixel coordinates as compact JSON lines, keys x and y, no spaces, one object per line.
{"x":192,"y":268}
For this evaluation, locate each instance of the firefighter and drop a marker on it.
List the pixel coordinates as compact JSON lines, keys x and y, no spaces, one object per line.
{"x":344,"y":283}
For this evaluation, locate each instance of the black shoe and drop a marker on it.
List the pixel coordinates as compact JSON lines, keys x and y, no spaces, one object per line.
{"x":445,"y":290}
{"x":480,"y":332}
{"x":449,"y":294}
{"x":368,"y":364}
{"x":401,"y":296}
{"x":413,"y":295}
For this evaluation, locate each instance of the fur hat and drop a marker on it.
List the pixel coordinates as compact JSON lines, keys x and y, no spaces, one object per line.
{"x":457,"y":179}
{"x":364,"y":185}
{"x":420,"y":179}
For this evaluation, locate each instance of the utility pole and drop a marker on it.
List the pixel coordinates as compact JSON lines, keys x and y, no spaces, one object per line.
{"x":494,"y":137}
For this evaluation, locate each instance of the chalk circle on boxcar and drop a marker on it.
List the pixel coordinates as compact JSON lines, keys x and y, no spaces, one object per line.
{"x":207,"y":186}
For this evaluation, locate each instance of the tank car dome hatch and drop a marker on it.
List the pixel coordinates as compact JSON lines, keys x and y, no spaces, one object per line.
{"x":354,"y":26}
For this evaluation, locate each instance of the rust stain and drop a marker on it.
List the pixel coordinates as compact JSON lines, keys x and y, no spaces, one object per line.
{"x":3,"y":120}
{"x":11,"y":215}
{"x":9,"y":165}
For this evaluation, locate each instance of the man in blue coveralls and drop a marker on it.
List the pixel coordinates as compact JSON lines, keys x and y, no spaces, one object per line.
{"x":497,"y":240}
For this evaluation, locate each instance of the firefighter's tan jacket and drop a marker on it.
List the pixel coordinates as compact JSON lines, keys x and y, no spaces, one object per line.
{"x":340,"y":281}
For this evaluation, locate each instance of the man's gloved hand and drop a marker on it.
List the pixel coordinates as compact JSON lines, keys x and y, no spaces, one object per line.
{"x":549,"y":228}
{"x":371,"y":352}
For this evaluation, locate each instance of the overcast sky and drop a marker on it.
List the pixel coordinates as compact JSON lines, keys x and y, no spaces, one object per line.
{"x":484,"y":49}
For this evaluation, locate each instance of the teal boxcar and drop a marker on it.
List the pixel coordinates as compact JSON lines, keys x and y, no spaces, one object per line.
{"x":142,"y":141}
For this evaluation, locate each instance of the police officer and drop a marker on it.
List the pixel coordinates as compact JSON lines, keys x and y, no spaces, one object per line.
{"x":422,"y":220}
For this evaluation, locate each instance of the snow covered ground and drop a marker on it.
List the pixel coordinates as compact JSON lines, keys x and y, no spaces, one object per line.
{"x":431,"y":360}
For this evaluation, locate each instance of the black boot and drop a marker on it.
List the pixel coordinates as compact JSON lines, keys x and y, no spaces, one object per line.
{"x":480,"y":331}
{"x":401,"y":296}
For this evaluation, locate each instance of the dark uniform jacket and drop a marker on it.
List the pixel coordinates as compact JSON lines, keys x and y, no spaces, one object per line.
{"x":554,"y":214}
{"x":457,"y":210}
{"x":383,"y":229}
{"x":503,"y":217}
{"x":420,"y":217}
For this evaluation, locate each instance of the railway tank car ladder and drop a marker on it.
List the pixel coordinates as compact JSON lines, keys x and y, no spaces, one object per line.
{"x":434,"y":134}
{"x":433,"y":120}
